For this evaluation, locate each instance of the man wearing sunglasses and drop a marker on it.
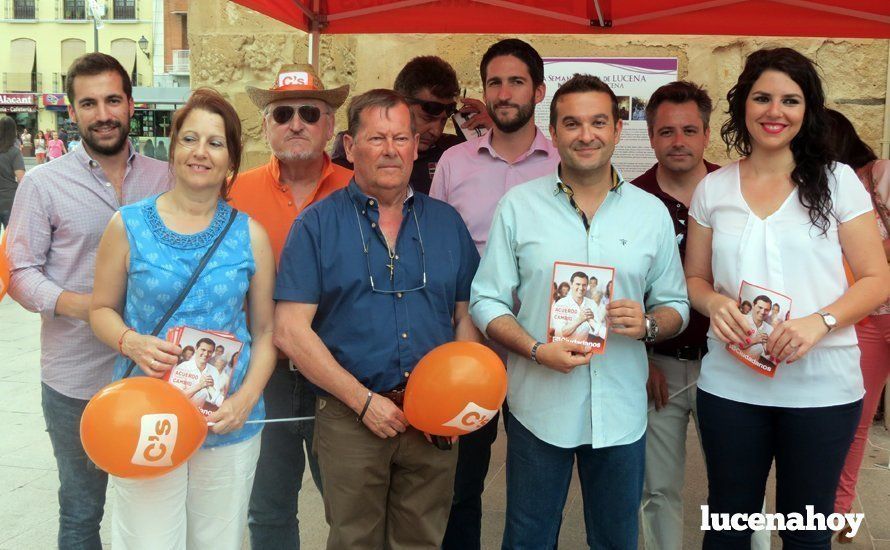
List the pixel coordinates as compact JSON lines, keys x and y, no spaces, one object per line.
{"x":430,"y":85}
{"x":298,"y":122}
{"x":371,"y":280}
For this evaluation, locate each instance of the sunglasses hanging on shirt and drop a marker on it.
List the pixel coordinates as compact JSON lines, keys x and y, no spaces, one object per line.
{"x":310,"y":114}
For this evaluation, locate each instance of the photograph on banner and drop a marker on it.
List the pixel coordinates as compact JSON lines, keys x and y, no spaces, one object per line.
{"x":764,"y":309}
{"x":634,"y":80}
{"x":204,"y":371}
{"x":579,"y":296}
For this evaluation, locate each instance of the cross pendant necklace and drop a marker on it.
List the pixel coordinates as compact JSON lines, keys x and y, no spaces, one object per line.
{"x":391,"y":265}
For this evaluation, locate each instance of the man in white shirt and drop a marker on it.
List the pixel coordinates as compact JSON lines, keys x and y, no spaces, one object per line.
{"x":761,"y":306}
{"x":193,"y":377}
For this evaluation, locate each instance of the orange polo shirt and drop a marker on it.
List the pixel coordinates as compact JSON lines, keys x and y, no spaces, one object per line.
{"x":259,"y":194}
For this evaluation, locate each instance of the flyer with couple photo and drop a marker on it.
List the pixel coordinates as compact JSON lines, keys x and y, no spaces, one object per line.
{"x":764,"y":309}
{"x":205,"y":367}
{"x":580,"y":294}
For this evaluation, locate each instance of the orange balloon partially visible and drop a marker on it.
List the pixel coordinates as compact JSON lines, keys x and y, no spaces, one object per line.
{"x":4,"y":268}
{"x":141,"y":427}
{"x":455,"y":389}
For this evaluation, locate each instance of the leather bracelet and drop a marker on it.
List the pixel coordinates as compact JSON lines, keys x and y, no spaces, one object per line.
{"x":534,"y":356}
{"x":120,"y":341}
{"x":365,"y":408}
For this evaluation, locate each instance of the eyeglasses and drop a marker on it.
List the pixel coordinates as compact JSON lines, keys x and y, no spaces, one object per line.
{"x":434,"y":108}
{"x":284,"y":113}
{"x":391,"y":266}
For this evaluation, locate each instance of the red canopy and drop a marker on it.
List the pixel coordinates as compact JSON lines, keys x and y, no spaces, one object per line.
{"x":826,"y":18}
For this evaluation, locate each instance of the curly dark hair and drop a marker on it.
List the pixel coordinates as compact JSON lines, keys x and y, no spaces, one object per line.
{"x":811,"y":146}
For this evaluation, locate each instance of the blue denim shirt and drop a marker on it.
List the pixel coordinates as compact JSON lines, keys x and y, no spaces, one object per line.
{"x":604,"y":403}
{"x":378,"y":335}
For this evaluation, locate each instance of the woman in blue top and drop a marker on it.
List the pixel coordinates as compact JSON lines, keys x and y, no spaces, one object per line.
{"x":147,"y":255}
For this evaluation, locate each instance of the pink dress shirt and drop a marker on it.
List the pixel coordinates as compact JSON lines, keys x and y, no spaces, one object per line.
{"x":472,"y":178}
{"x":60,"y":212}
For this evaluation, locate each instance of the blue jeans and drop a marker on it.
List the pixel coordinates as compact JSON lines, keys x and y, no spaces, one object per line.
{"x":272,"y":515}
{"x":81,"y":484}
{"x":538,"y":476}
{"x":741,"y":440}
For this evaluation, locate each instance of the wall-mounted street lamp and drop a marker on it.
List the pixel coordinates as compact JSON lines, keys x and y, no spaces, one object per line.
{"x":143,"y":45}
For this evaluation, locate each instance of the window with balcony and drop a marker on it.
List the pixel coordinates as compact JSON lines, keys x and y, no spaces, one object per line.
{"x":74,"y":9}
{"x":124,"y":9}
{"x":23,"y":9}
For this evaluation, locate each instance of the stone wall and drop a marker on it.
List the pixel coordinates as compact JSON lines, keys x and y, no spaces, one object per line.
{"x":232,"y":46}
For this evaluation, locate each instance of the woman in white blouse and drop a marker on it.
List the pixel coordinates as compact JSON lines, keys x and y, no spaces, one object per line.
{"x":782,"y":218}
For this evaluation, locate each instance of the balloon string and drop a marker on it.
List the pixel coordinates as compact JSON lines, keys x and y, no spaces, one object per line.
{"x":268,"y":420}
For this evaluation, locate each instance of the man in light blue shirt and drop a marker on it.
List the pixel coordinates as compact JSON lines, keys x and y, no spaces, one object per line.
{"x":566,"y":402}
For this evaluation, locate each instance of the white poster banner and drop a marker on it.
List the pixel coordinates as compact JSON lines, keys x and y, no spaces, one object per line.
{"x":633,"y":79}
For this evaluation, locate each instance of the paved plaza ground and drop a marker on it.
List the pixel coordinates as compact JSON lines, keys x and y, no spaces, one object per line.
{"x":28,"y":478}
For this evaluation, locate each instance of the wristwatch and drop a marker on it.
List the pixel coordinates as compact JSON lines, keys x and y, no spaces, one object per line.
{"x":828,"y":319}
{"x":651,"y":330}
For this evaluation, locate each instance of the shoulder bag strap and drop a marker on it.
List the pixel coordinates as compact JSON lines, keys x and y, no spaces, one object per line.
{"x":188,"y":286}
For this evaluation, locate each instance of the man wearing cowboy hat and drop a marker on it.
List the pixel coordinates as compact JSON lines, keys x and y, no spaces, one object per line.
{"x":298,"y":122}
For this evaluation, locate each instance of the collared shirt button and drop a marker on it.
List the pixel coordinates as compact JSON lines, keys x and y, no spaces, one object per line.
{"x":396,"y":256}
{"x":406,"y":374}
{"x":290,"y":203}
{"x":363,"y":211}
{"x":371,"y":202}
{"x":404,"y":335}
{"x":107,"y":184}
{"x":373,"y":224}
{"x":399,"y":295}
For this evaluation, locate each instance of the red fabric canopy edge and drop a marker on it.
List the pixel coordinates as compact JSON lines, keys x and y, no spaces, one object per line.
{"x":729,"y":17}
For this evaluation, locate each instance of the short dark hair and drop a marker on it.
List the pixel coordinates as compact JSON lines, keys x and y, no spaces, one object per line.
{"x":762,"y":298}
{"x":379,"y":98}
{"x":745,"y":302}
{"x":580,"y":83}
{"x":205,"y":341}
{"x":430,"y":72}
{"x":679,"y":92}
{"x":208,"y":99}
{"x":848,"y":146}
{"x":579,"y":274}
{"x":521,"y":51}
{"x":93,"y":64}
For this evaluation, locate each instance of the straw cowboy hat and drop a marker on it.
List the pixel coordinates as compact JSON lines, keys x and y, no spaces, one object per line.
{"x":297,"y":82}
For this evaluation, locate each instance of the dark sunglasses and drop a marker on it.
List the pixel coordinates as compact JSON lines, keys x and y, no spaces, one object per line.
{"x":284,"y":113}
{"x":434,"y":108}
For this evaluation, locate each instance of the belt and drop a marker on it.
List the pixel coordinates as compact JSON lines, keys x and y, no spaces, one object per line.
{"x":286,"y":365}
{"x":396,"y":395}
{"x":684,"y":353}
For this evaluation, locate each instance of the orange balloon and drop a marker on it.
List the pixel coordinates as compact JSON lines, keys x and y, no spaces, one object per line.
{"x":455,"y":389}
{"x":141,"y":427}
{"x":4,"y":268}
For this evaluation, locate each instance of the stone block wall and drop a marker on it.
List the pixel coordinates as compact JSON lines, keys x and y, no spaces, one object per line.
{"x":232,"y":46}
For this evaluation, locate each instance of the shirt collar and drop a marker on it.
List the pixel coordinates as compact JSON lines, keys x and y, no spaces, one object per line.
{"x":366,"y":201}
{"x":540,"y":143}
{"x":560,"y":187}
{"x":82,"y":156}
{"x":275,"y":171}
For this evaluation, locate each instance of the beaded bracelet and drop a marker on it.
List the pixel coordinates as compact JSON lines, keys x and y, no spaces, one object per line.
{"x":120,"y":341}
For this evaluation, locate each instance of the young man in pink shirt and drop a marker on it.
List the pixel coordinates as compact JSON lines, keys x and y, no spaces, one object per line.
{"x":472,"y":177}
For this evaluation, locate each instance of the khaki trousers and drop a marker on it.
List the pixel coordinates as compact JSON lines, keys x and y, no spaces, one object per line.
{"x":378,"y":493}
{"x":662,"y":507}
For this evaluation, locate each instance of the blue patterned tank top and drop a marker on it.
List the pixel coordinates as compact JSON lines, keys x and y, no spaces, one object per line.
{"x":161,"y":263}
